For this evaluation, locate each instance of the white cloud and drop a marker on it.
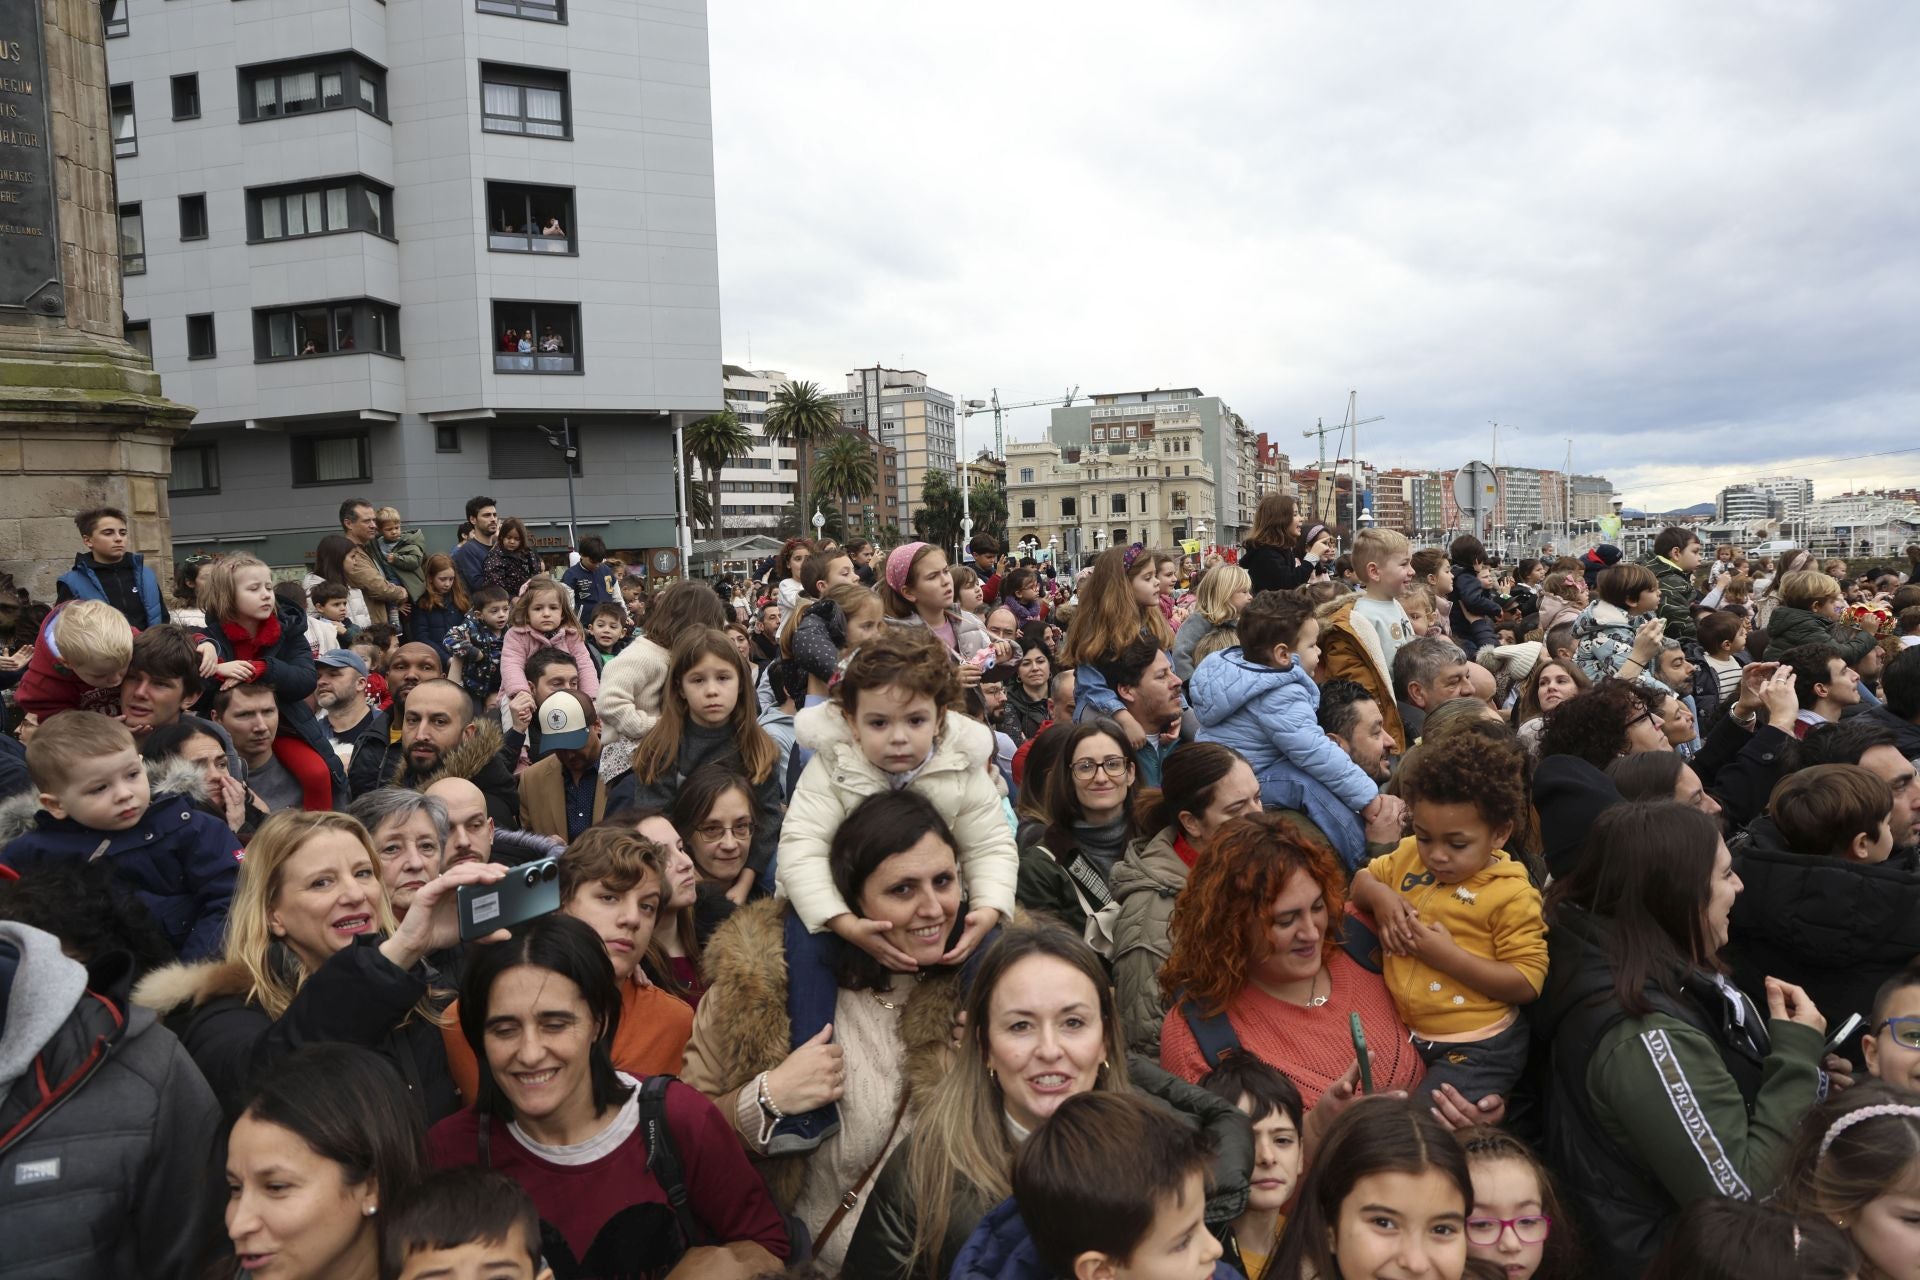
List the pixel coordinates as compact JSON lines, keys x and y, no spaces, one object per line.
{"x":1681,"y":235}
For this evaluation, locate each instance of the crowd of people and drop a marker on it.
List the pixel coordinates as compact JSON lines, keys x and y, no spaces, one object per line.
{"x":1291,"y":913}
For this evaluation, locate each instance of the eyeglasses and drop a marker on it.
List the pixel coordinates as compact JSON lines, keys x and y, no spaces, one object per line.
{"x":1529,"y":1230}
{"x":742,"y":830}
{"x":1116,"y":767}
{"x":1906,"y":1031}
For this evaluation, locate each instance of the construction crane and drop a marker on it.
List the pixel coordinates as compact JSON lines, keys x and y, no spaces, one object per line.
{"x":970,"y":407}
{"x":1351,"y":429}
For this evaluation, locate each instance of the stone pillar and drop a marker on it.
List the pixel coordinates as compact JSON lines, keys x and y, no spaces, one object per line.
{"x":82,"y":420}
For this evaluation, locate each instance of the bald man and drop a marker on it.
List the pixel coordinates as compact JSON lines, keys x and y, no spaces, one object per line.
{"x":412,"y":663}
{"x":474,"y":838}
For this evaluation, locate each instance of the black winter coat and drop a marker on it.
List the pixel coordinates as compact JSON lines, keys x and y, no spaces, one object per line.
{"x":107,"y":1147}
{"x":1274,"y":568}
{"x":357,"y":997}
{"x":1474,"y":610}
{"x":1836,"y":927}
{"x":291,"y":675}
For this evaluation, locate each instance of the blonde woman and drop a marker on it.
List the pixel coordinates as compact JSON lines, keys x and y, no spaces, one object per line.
{"x":312,"y":954}
{"x":1216,"y":608}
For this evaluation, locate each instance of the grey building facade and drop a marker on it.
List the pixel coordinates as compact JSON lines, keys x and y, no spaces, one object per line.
{"x":334,"y":212}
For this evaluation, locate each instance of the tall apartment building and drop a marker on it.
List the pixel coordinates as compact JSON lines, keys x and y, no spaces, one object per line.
{"x":1592,"y":496}
{"x":379,"y":246}
{"x":1115,"y":420}
{"x":757,"y":487}
{"x":899,"y":409}
{"x":1743,"y":503}
{"x":1794,"y":493}
{"x":1154,"y":491}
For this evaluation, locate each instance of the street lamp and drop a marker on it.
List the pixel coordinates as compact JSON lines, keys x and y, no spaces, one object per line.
{"x":819,"y":523}
{"x":563,"y":441}
{"x":1200,"y":533}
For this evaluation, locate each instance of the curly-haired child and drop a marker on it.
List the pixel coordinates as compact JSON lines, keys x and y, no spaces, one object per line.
{"x":1459,"y":918}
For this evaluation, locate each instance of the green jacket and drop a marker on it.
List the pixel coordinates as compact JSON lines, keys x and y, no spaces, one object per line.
{"x":1043,"y":886}
{"x":407,"y":557}
{"x":1649,"y":1072}
{"x":1147,"y":879}
{"x":1789,"y":627}
{"x":1676,"y":597}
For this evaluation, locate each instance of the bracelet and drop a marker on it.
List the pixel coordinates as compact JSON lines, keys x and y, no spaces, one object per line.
{"x":766,"y":1100}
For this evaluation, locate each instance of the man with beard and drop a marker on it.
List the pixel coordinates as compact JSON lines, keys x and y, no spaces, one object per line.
{"x":472,"y":837}
{"x":1353,"y":719}
{"x":377,"y":751}
{"x":439,"y":738}
{"x":340,"y":692}
{"x":1142,"y":677}
{"x":562,"y":794}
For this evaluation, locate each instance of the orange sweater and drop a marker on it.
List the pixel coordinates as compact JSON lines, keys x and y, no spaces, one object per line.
{"x":1312,"y":1047}
{"x":651,"y":1041}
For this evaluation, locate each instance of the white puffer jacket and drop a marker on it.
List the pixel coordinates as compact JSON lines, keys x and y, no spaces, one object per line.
{"x":839,"y":777}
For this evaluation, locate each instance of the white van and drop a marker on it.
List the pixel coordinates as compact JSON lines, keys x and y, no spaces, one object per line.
{"x":1774,"y":548}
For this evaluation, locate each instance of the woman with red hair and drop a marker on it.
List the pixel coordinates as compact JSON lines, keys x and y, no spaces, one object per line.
{"x":1256,"y":966}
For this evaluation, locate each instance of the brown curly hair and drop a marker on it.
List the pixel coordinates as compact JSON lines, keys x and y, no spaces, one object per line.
{"x":1219,"y":924}
{"x":909,"y":659}
{"x":1485,"y":772}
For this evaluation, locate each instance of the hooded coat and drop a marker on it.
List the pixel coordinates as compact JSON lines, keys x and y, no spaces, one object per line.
{"x":1790,"y":626}
{"x":1350,"y":650}
{"x":742,"y":1029}
{"x":1836,"y":927}
{"x":839,"y":776}
{"x":181,"y":862}
{"x":1146,"y":880}
{"x":357,"y":997}
{"x":883,"y":1244}
{"x":1676,"y":597}
{"x":1274,"y":568}
{"x":1647,"y":1112}
{"x":107,"y":1132}
{"x":477,"y":759}
{"x":82,"y":582}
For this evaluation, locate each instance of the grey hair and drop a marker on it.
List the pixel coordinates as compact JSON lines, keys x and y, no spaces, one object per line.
{"x":1420,"y":661}
{"x":397,"y":804}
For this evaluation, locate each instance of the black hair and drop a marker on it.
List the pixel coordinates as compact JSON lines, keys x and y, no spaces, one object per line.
{"x":166,"y":652}
{"x":325,"y":592}
{"x":1673,"y":538}
{"x":1845,"y":742}
{"x":87,"y":520}
{"x":1340,"y":706}
{"x":607,"y":609}
{"x":1241,"y":1075}
{"x":1901,"y":683}
{"x":1719,"y":1238}
{"x":593,"y":547}
{"x":880,"y":826}
{"x":453,"y":1207}
{"x":350,"y":506}
{"x":1593,"y":724}
{"x":169,"y":739}
{"x":91,"y":911}
{"x":1812,"y":664}
{"x":477,"y":504}
{"x":1129,"y":666}
{"x":546,"y":659}
{"x":571,"y":949}
{"x":351,"y":1107}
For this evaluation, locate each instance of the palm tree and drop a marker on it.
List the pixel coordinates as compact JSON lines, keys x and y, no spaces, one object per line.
{"x":800,"y":416}
{"x":714,"y":441}
{"x":846,"y":469}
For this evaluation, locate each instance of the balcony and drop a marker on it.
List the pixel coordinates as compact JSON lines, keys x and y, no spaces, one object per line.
{"x":534,"y":362}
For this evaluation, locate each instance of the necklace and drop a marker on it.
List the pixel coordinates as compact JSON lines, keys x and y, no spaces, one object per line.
{"x":888,"y":1005}
{"x":1312,"y":1001}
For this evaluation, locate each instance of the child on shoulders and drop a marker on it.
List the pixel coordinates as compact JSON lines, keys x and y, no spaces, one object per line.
{"x":543,"y":618}
{"x":78,"y":662}
{"x":1364,"y":632}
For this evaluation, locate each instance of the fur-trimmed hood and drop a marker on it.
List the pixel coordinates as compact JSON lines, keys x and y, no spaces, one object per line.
{"x":179,"y":986}
{"x":467,"y":760}
{"x":963,"y":743}
{"x":170,"y":776}
{"x":744,"y":1029}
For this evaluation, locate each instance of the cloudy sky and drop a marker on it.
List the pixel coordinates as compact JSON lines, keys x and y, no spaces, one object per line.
{"x":1683,"y":236}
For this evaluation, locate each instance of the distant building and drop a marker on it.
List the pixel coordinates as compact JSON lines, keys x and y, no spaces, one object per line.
{"x":1795,"y":495}
{"x":1743,"y":504}
{"x":1155,"y":491}
{"x":1592,"y":497}
{"x":1116,"y":420}
{"x":1271,"y":467}
{"x":756,"y":487}
{"x":899,"y":409}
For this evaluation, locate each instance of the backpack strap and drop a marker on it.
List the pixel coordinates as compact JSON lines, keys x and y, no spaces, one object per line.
{"x":663,"y":1158}
{"x":1214,"y":1035}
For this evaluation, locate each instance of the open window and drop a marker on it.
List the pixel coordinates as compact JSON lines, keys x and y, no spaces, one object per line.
{"x":529,"y":219}
{"x":536,"y":337}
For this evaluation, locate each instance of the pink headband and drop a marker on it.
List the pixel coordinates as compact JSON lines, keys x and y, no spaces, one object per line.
{"x":899,"y":561}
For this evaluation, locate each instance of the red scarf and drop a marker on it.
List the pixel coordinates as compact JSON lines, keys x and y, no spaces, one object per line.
{"x":250,"y":648}
{"x":1187,"y":853}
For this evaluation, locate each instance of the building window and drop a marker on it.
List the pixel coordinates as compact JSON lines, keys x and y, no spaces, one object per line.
{"x":1026,"y":508}
{"x":446,"y":438}
{"x":1026,"y":475}
{"x":1117,"y":505}
{"x":186,"y":97}
{"x":536,"y":337}
{"x":196,"y":469}
{"x":524,"y":219}
{"x":349,"y":327}
{"x":200,"y":345}
{"x":1067,"y":508}
{"x":525,"y":100}
{"x":126,"y":137}
{"x":516,"y":452}
{"x":319,"y":209}
{"x":1119,"y":536}
{"x":534,"y":10}
{"x":332,"y":459}
{"x":113,"y":17}
{"x":193,"y":217}
{"x":139,"y":335}
{"x":334,"y":83}
{"x":133,"y":241}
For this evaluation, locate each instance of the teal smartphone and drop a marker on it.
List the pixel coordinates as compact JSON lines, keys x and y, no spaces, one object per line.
{"x":1360,"y":1055}
{"x":529,"y":890}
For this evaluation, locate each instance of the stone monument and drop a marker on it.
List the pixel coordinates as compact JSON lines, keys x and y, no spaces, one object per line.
{"x":82,"y":420}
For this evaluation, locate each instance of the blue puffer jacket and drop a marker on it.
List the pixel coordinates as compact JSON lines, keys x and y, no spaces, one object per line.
{"x":1001,"y":1249}
{"x":180,"y":860}
{"x":82,"y":583}
{"x":1270,"y":716}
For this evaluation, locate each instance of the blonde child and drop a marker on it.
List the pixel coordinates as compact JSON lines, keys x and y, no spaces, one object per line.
{"x":707,"y":717}
{"x":632,"y":688}
{"x":1458,"y":918}
{"x":1119,"y":602}
{"x":78,"y":662}
{"x":889,"y":727}
{"x":405,"y":551}
{"x":250,"y":638}
{"x":1224,"y":591}
{"x":1362,"y":633}
{"x":1423,"y":614}
{"x":543,"y":618}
